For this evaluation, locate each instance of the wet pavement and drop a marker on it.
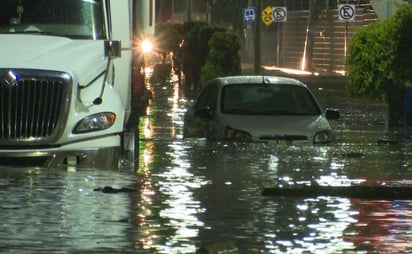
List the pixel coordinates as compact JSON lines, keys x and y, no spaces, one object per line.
{"x":189,"y":194}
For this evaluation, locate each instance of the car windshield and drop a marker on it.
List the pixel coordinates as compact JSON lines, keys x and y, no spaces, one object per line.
{"x":267,"y":99}
{"x":76,"y":19}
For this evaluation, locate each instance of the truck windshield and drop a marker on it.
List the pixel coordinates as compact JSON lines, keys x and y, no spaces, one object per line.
{"x":76,"y":19}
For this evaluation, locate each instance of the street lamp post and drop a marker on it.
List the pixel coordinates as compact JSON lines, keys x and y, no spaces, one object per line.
{"x":256,"y":46}
{"x":188,"y":10}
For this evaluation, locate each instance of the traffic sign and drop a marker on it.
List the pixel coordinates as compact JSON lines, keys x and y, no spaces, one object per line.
{"x":267,"y":17}
{"x":279,"y":14}
{"x":346,"y":12}
{"x":249,"y":14}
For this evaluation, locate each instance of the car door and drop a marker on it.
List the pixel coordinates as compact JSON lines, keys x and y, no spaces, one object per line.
{"x":198,"y":118}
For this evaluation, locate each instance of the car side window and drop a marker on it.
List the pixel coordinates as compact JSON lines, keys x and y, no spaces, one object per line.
{"x":208,"y":98}
{"x":305,"y":102}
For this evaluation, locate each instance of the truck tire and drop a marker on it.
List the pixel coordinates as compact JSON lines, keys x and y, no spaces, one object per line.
{"x":130,"y":149}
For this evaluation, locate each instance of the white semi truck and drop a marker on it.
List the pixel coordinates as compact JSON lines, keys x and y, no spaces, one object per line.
{"x":66,"y":70}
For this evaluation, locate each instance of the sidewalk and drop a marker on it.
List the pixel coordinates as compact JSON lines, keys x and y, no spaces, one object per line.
{"x":325,"y":82}
{"x":248,"y":69}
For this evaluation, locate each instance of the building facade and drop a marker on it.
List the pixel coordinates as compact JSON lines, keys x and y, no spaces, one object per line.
{"x":309,"y":39}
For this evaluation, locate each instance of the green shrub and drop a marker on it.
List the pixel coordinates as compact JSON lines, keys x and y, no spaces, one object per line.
{"x":223,"y":58}
{"x":380,"y":61}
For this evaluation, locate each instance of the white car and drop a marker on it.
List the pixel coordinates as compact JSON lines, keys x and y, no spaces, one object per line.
{"x":259,"y":109}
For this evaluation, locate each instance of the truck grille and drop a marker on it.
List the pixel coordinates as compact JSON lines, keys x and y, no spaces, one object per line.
{"x":33,"y":103}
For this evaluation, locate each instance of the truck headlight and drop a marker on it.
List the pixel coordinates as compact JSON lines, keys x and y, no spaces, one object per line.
{"x":95,"y":122}
{"x":323,"y":137}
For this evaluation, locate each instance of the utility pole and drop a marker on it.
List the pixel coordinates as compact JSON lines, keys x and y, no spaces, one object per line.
{"x":256,"y":57}
{"x":188,"y":11}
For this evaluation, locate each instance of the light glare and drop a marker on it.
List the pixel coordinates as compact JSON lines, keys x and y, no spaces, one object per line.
{"x":147,"y":46}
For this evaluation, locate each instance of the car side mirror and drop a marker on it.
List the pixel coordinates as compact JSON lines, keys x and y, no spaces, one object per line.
{"x":204,"y":112}
{"x":332,"y":114}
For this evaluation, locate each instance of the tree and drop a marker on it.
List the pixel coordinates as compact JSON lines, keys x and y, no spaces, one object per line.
{"x":380,"y":62}
{"x":168,"y":38}
{"x":223,"y":58}
{"x":368,"y":62}
{"x":401,"y":32}
{"x":194,"y":50}
{"x":228,"y":13}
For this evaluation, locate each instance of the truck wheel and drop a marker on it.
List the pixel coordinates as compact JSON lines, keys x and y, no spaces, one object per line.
{"x":130,"y":149}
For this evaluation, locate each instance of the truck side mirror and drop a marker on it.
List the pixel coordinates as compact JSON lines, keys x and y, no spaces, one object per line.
{"x":112,"y":49}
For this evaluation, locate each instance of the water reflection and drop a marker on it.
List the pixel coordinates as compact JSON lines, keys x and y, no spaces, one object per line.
{"x":50,"y":211}
{"x":313,"y":225}
{"x":192,"y":193}
{"x":142,"y":204}
{"x":178,"y":211}
{"x":182,"y":209}
{"x":211,"y":191}
{"x":382,"y":226}
{"x":171,"y":220}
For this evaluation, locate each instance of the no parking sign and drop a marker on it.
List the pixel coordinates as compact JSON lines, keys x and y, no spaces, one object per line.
{"x":279,"y":14}
{"x":347,"y":12}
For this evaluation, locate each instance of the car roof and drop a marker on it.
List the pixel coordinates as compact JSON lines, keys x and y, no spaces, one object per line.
{"x":256,"y":79}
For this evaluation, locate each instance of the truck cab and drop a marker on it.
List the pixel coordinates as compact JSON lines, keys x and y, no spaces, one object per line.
{"x":66,"y":83}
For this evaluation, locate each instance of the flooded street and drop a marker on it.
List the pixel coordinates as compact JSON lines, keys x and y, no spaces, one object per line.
{"x":191,"y":193}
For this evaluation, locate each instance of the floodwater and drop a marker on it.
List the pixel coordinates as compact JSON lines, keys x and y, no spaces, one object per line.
{"x":191,"y":194}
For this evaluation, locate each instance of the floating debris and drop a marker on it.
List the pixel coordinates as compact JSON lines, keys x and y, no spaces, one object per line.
{"x":219,"y":248}
{"x":362,"y":192}
{"x":387,"y":141}
{"x":354,"y":155}
{"x":109,"y":189}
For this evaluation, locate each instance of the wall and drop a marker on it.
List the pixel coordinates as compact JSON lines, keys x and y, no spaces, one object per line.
{"x":330,"y":35}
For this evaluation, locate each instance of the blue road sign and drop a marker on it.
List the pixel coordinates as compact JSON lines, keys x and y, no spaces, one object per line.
{"x":249,"y":14}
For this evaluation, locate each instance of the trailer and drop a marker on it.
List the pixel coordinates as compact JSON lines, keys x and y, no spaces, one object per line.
{"x":67,"y":69}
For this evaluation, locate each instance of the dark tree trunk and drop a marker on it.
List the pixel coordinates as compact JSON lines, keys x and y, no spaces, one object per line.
{"x":395,"y":99}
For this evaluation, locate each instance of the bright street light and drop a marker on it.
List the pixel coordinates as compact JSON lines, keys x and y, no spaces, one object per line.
{"x":147,"y":46}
